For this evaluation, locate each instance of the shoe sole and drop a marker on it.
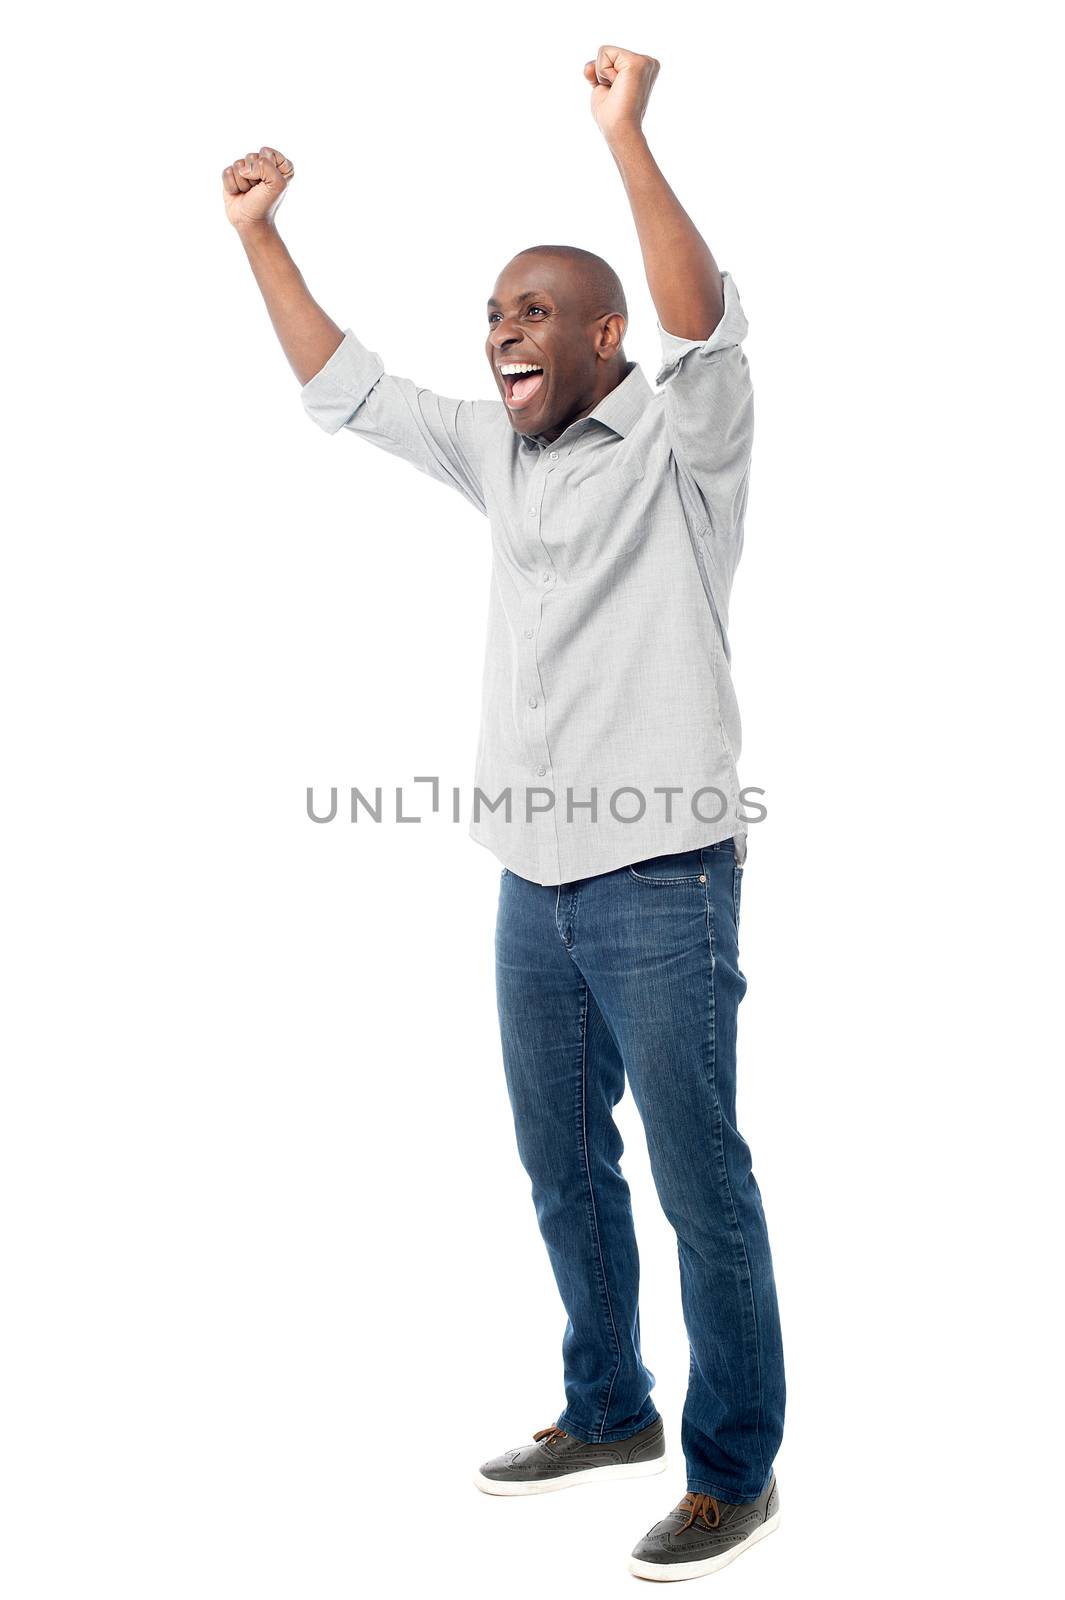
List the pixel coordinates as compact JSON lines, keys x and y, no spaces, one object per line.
{"x":569,"y":1480}
{"x":673,"y":1571}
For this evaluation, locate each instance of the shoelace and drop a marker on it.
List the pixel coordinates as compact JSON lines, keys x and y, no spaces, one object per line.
{"x":551,"y":1434}
{"x":697,"y":1505}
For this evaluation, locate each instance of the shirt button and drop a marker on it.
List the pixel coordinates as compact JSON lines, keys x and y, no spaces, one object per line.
{"x":532,"y":511}
{"x":554,"y":455}
{"x":540,"y":771}
{"x":528,"y":633}
{"x":547,"y":577}
{"x":532,"y":701}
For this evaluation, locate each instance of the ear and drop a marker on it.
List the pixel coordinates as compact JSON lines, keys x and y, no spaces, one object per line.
{"x":612,"y":333}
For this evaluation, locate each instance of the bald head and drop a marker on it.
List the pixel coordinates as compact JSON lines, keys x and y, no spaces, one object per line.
{"x":595,"y":286}
{"x":556,"y":320}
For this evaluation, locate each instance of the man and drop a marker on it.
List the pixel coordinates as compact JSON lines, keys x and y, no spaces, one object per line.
{"x":616,"y":516}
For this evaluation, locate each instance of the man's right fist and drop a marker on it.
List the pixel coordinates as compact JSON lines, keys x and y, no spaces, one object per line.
{"x":255,"y":185}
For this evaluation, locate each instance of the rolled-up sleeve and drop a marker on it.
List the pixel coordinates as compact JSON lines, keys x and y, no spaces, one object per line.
{"x":442,"y":437}
{"x":709,"y":409}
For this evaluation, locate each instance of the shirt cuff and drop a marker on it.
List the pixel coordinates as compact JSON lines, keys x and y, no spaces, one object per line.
{"x":729,"y":332}
{"x":337,"y":391}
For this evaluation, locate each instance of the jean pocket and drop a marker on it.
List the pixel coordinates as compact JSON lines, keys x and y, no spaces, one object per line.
{"x":686,"y":866}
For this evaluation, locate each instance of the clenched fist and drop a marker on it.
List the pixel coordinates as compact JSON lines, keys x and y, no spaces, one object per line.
{"x":255,"y":185}
{"x":622,"y":87}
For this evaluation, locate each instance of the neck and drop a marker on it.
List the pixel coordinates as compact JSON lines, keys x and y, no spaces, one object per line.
{"x":614,"y":376}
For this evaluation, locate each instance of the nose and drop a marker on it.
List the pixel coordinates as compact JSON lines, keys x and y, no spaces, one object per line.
{"x":500,"y":339}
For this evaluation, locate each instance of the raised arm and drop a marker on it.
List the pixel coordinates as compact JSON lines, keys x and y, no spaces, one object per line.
{"x":344,"y":384}
{"x":254,"y":187}
{"x":682,"y":275}
{"x":708,"y":395}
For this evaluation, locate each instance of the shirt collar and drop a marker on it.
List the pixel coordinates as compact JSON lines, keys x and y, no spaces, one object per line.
{"x":620,"y":410}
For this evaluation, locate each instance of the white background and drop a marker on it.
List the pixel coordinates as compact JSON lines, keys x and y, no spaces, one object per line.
{"x":273,"y":1279}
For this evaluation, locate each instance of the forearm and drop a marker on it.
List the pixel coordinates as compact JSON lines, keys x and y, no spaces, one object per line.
{"x":308,"y":337}
{"x":682,"y":275}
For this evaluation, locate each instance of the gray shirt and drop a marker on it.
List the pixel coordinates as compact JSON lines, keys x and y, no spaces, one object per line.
{"x":609,"y":725}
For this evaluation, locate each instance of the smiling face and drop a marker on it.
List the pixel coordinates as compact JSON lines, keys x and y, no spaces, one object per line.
{"x":560,"y":311}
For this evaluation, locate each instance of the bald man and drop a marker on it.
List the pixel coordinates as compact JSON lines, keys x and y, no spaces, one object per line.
{"x":606,"y":786}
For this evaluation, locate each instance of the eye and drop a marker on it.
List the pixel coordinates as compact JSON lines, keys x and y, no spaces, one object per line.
{"x":493,"y":314}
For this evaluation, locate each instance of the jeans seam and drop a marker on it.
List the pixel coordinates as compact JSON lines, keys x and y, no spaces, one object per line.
{"x":720,"y":1146}
{"x":591,"y":1196}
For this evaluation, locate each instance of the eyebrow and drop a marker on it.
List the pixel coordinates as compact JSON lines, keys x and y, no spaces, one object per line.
{"x":526,"y":294}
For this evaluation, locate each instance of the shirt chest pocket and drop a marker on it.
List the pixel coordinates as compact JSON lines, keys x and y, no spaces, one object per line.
{"x":604,"y":514}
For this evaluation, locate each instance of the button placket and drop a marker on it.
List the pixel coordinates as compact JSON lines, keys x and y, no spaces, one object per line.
{"x":542,"y":580}
{"x":535,"y":710}
{"x":548,"y":461}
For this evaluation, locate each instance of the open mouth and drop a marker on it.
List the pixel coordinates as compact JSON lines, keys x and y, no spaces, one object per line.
{"x":521,"y":379}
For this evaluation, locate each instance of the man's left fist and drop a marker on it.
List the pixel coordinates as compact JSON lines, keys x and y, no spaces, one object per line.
{"x":623,"y":83}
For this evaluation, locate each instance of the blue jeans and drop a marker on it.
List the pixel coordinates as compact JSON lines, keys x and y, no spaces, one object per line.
{"x":636,"y":972}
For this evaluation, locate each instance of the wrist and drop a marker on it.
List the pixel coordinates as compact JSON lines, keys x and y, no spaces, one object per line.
{"x":256,"y":233}
{"x":627,"y":139}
